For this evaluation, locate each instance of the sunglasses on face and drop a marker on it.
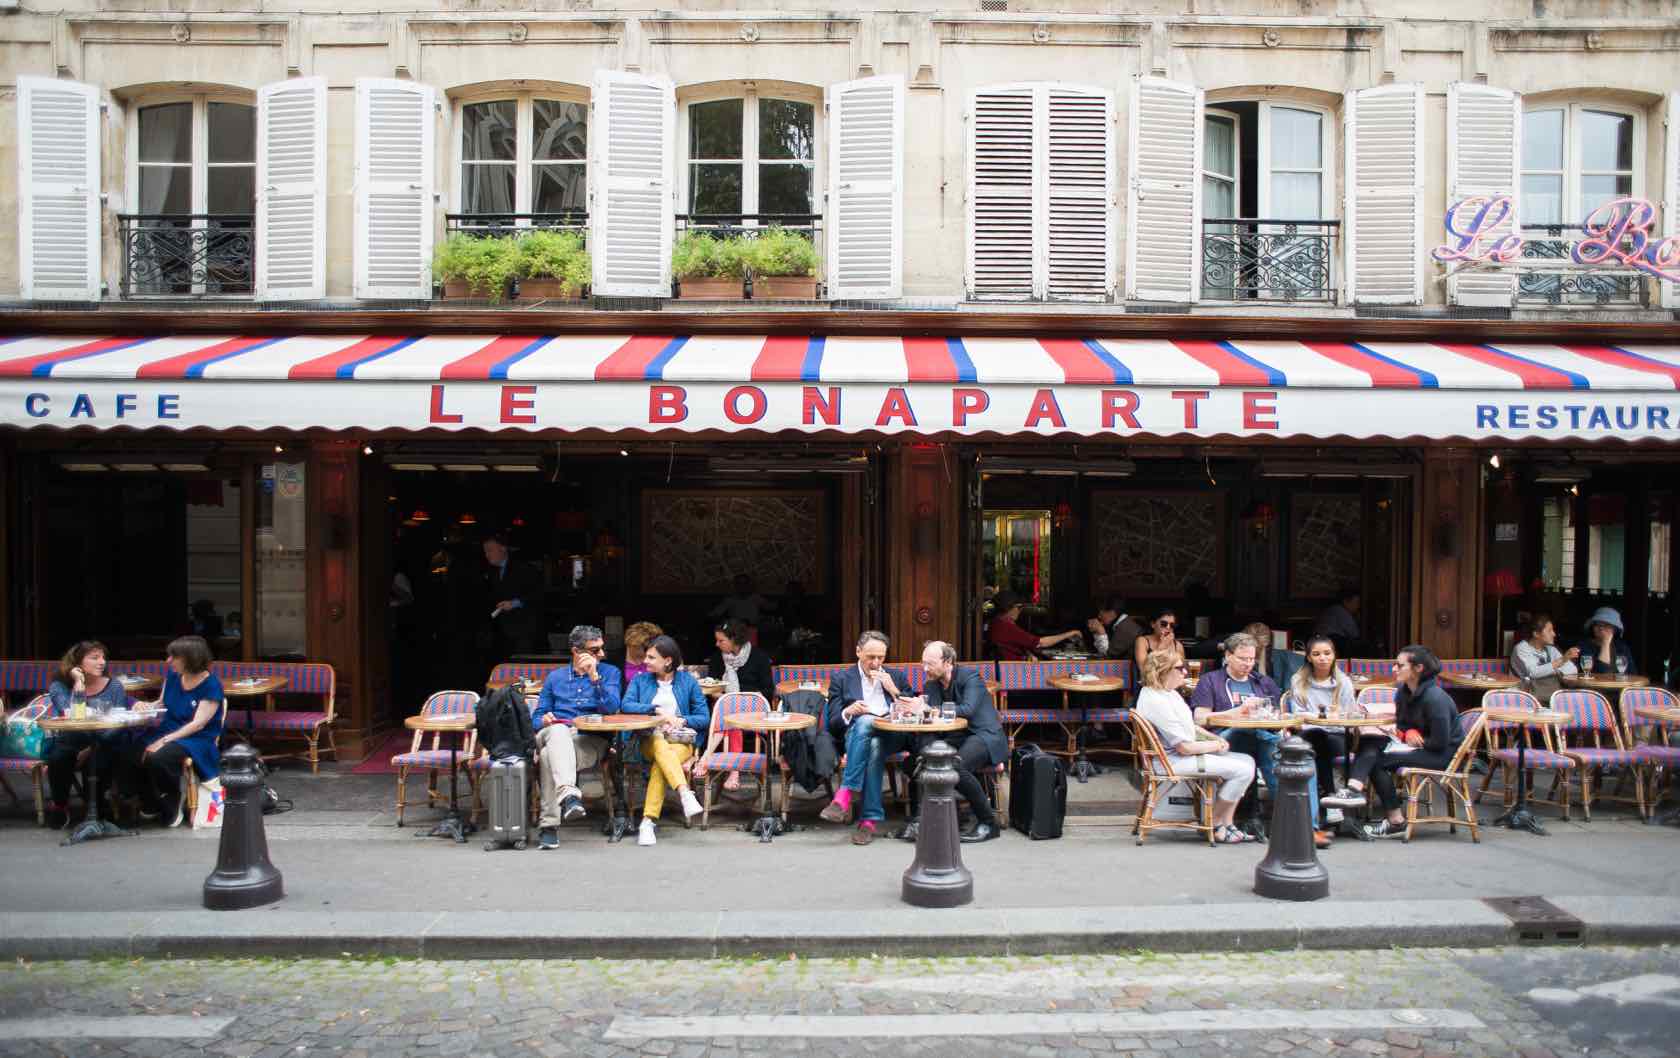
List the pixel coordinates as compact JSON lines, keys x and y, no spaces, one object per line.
{"x":599,"y":652}
{"x":1164,"y":624}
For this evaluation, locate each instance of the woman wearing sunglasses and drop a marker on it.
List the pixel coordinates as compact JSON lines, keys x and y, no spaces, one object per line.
{"x":1160,"y":637}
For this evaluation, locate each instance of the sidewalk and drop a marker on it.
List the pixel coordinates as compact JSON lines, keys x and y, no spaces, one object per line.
{"x":355,"y":883}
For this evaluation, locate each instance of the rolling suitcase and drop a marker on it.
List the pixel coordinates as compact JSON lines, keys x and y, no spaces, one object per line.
{"x":509,"y":804}
{"x":1037,"y":793}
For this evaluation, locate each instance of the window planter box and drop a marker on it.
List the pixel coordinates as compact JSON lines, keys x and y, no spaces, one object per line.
{"x":550,"y":289}
{"x":787,"y":288}
{"x":711,"y":289}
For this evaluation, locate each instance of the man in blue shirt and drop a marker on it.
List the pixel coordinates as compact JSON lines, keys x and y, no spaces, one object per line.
{"x":587,"y":685}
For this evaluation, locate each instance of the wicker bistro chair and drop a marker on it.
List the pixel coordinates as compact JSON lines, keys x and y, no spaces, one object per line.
{"x":1655,"y":759}
{"x":1541,"y":753}
{"x":1593,"y":738}
{"x":1157,"y":775}
{"x":1417,"y":784}
{"x":36,"y":769}
{"x":429,"y":751}
{"x":716,"y":762}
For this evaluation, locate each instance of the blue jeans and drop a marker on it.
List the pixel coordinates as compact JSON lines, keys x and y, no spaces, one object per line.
{"x":1263,"y":747}
{"x":866,"y":756}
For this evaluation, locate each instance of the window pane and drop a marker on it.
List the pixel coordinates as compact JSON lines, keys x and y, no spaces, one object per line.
{"x":232,"y":189}
{"x":487,"y":188}
{"x":1542,"y":199}
{"x":1295,"y":196}
{"x":1606,"y":140}
{"x":1296,"y":143}
{"x":714,"y":189}
{"x":784,"y":129}
{"x":784,"y":188}
{"x":166,"y":133}
{"x":1662,"y":541}
{"x":281,"y":505}
{"x":1219,"y":197}
{"x":489,"y":131}
{"x":1219,"y":149}
{"x":1597,"y":190}
{"x":714,"y":129}
{"x":557,"y":130}
{"x":233,"y":132}
{"x":556,"y":188}
{"x":1543,"y":139}
{"x":165,"y":189}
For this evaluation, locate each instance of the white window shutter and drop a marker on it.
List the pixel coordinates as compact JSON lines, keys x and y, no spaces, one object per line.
{"x":59,"y":146}
{"x":866,"y":188}
{"x":1382,"y":225}
{"x":1484,"y":152}
{"x":632,"y":137}
{"x":292,"y":190}
{"x":1080,"y":167}
{"x":1002,"y":192}
{"x":1164,"y":192}
{"x":396,"y":135}
{"x":1671,"y":193}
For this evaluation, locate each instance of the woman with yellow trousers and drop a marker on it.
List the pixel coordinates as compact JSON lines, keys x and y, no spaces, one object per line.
{"x":668,"y":692}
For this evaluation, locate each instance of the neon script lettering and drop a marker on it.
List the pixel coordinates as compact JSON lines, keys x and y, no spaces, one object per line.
{"x":1618,"y":234}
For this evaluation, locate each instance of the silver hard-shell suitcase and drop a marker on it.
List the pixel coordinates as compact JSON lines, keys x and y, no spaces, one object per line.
{"x":509,"y":804}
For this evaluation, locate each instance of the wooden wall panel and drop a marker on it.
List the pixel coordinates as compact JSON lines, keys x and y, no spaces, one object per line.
{"x":923,"y":547}
{"x":1449,"y":599}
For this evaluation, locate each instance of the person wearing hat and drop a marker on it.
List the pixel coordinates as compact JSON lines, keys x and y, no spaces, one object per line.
{"x":1009,"y":639}
{"x":1606,"y":651}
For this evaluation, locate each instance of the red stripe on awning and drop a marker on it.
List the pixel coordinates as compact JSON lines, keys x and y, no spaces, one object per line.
{"x":629,"y":362}
{"x":781,"y":360}
{"x":1618,"y":358}
{"x":328,"y":366}
{"x":1232,"y":370}
{"x":1383,"y":375}
{"x":929,"y":360}
{"x":1532,"y":376}
{"x":25,"y":366}
{"x":1077,"y":361}
{"x":475,"y":367}
{"x":178,"y":366}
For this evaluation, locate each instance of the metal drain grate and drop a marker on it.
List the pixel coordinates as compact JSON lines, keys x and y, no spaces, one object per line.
{"x":1539,"y":921}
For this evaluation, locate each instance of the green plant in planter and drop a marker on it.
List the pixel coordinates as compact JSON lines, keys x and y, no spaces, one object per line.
{"x":701,"y":255}
{"x":558,"y":255}
{"x":484,"y":262}
{"x":780,"y":252}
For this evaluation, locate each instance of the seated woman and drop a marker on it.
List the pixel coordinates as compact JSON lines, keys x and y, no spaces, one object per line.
{"x":81,"y":671}
{"x":1319,"y":688}
{"x":1161,"y":636}
{"x":1538,"y":662}
{"x":191,"y":727}
{"x":1009,"y":639}
{"x":636,"y":639}
{"x":668,"y":692}
{"x":1606,"y":651}
{"x":1429,"y":731}
{"x":1280,"y":665}
{"x":742,"y":667}
{"x":1190,"y":750}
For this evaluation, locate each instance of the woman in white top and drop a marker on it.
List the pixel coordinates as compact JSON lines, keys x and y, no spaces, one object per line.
{"x":1191,"y":751}
{"x":1538,"y":662}
{"x":673,"y":695}
{"x":1320,"y":688}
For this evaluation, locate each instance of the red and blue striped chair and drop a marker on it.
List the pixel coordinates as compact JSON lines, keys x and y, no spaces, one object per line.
{"x":715,"y":762}
{"x":30,"y":766}
{"x":313,"y":679}
{"x":1540,"y":754}
{"x":1597,"y":738}
{"x":1472,"y":667}
{"x":508,"y":671}
{"x":1652,"y":751}
{"x":1376,"y":667}
{"x":435,"y":757}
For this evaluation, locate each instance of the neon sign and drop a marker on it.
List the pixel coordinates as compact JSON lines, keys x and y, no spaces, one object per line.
{"x":1618,"y":234}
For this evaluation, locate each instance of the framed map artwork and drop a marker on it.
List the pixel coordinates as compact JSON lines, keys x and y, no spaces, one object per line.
{"x":694,"y":541}
{"x":1151,"y":544}
{"x":1326,"y":549}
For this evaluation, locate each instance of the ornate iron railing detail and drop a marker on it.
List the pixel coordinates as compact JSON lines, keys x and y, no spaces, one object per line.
{"x":186,"y":254}
{"x":512,"y":223}
{"x":1268,"y":260}
{"x":1572,"y":284}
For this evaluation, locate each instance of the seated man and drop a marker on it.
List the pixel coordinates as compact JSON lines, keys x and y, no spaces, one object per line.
{"x":856,"y":698}
{"x":1009,"y":640}
{"x":982,"y":745}
{"x":1113,"y":631}
{"x":587,"y":685}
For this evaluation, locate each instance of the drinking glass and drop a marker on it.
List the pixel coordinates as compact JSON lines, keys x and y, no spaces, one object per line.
{"x":948,"y":711}
{"x":1621,"y":665}
{"x":78,"y":705}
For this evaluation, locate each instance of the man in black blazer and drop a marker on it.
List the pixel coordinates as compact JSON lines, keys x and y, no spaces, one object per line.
{"x":515,"y":591}
{"x":983,"y":743}
{"x":856,"y":697}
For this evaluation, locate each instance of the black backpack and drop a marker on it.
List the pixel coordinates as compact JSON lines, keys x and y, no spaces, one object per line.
{"x":504,"y":724}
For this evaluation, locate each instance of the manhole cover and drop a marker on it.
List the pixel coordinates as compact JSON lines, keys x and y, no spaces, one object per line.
{"x":1538,"y":920}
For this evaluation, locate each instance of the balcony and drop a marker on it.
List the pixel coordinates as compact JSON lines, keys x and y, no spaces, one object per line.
{"x":1268,"y":260}
{"x":1550,"y":277}
{"x":186,"y":254}
{"x":513,"y":223}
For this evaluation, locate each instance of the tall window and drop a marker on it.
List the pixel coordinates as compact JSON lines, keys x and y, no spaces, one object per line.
{"x":195,"y":169}
{"x":752,"y":156}
{"x":524,"y":155}
{"x":1557,"y":544}
{"x":1575,"y":158}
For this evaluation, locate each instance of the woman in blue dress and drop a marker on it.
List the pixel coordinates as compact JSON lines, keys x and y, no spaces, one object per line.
{"x":191,"y":727}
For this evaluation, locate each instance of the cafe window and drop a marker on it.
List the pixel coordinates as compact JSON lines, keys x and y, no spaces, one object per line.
{"x":524,"y":155}
{"x":1557,"y":548}
{"x":752,"y":155}
{"x":1662,"y":542}
{"x":1606,"y":542}
{"x":280,"y":560}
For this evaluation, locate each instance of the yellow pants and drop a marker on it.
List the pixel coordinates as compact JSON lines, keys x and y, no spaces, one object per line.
{"x":667,"y":759}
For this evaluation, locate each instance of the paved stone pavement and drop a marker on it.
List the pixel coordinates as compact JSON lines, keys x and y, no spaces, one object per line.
{"x":1530,"y":1002}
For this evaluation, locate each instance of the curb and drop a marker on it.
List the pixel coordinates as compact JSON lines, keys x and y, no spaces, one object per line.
{"x":733,"y":934}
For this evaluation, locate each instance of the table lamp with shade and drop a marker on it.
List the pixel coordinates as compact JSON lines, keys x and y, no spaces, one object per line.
{"x":1500,"y":583}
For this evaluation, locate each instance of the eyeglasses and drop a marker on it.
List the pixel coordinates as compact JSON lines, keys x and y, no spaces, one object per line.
{"x":600,"y":651}
{"x":1164,"y":624}
{"x":1182,"y":668}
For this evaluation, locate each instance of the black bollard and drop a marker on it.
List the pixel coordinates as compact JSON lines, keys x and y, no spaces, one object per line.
{"x":1291,"y":870}
{"x":938,"y":878}
{"x":243,"y":876}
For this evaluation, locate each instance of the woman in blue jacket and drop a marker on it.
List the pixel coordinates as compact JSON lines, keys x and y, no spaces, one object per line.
{"x":191,"y":727}
{"x":667,"y":691}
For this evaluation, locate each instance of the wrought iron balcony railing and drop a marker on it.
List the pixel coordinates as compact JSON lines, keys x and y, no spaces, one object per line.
{"x":186,"y":254}
{"x":1559,"y":281}
{"x":1268,"y":260}
{"x":512,"y":223}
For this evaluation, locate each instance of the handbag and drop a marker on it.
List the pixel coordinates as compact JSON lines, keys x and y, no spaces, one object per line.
{"x":207,"y":814}
{"x":24,"y":739}
{"x":682,"y":737}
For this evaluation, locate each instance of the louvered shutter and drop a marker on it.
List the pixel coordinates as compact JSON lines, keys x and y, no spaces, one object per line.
{"x":292,"y":190}
{"x":1671,"y":193}
{"x":1164,"y":192}
{"x":1484,"y":148}
{"x":631,"y":137}
{"x":866,"y":188}
{"x":1079,"y":189}
{"x":396,"y":129}
{"x":58,"y":146}
{"x":1002,"y":244}
{"x":1383,"y":220}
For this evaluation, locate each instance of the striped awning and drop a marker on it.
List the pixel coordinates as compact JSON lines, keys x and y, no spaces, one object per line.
{"x":886,"y":384}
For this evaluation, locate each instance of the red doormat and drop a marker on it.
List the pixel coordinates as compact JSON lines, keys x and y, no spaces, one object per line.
{"x":378,"y":760}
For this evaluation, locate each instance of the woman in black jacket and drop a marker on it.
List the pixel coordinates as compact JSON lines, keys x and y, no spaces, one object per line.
{"x":1427,"y":734}
{"x":742,"y":667}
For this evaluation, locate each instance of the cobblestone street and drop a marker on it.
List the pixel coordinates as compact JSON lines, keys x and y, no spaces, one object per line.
{"x":1529,"y":1002}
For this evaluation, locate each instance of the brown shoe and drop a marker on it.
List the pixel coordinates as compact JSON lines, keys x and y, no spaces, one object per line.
{"x":863,"y":835}
{"x":1322,"y":839}
{"x":835,"y":812}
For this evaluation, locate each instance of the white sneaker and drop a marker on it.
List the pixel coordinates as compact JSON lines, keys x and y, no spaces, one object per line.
{"x":645,"y":835}
{"x":690,"y":803}
{"x":1332,"y":815}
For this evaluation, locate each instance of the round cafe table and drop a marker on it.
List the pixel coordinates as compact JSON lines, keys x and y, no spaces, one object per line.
{"x":94,"y":827}
{"x":713,"y":689}
{"x":1479,"y":681}
{"x":1278,"y":722}
{"x":134,"y":684}
{"x":453,"y":824}
{"x":926,"y":726}
{"x":1606,"y":683}
{"x":251,"y":688}
{"x":770,"y":824}
{"x":1084,"y":684}
{"x":1519,"y":817}
{"x":609,"y":726}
